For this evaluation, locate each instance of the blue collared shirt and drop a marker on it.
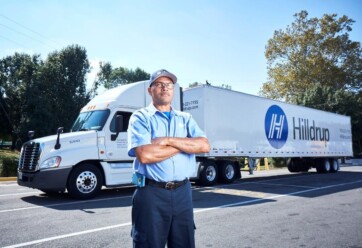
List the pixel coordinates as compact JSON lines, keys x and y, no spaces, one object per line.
{"x":149,"y":123}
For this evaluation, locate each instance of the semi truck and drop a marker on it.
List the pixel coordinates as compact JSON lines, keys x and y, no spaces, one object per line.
{"x":238,"y":125}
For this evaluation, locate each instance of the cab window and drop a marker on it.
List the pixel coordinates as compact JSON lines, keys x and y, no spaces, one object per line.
{"x":126,"y":116}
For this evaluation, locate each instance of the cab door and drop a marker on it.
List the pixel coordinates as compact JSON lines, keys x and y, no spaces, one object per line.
{"x":117,"y":165}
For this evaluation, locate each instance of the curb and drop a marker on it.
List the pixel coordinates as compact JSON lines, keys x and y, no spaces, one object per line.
{"x":7,"y":179}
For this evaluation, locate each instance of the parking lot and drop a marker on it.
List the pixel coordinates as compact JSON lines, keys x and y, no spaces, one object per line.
{"x":270,"y":209}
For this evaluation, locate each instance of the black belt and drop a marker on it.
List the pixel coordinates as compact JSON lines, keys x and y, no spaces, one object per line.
{"x":166,"y":185}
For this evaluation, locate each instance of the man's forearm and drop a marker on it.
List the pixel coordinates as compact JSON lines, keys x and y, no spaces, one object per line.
{"x":188,"y":145}
{"x":154,"y":153}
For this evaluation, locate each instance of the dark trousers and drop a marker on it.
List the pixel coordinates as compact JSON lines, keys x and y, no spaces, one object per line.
{"x":161,"y":216}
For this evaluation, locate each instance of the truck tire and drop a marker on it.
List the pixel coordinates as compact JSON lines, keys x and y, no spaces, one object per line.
{"x":334,"y":165}
{"x":208,"y":173}
{"x":227,"y":172}
{"x":292,"y":166}
{"x":305,"y":165}
{"x":85,"y":181}
{"x":323,"y":166}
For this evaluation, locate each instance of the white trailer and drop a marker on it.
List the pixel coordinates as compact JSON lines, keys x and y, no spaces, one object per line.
{"x":94,"y":153}
{"x":242,"y":125}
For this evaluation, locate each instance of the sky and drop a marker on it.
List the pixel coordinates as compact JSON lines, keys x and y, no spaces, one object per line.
{"x":221,"y":41}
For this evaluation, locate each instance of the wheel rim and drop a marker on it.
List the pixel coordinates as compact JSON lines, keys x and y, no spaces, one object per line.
{"x":86,"y":182}
{"x":229,"y":171}
{"x":210,"y":173}
{"x":327,"y":166}
{"x":335,"y":165}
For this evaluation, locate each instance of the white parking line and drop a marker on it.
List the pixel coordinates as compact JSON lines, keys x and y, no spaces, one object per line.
{"x":24,"y":193}
{"x":287,"y":185}
{"x":195,"y":211}
{"x":34,"y":242}
{"x":245,"y":183}
{"x":61,"y":204}
{"x":275,"y":196}
{"x":8,"y":184}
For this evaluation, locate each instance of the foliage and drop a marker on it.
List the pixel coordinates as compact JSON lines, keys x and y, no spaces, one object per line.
{"x":312,"y":51}
{"x":63,"y":91}
{"x":16,"y":77}
{"x":314,"y":63}
{"x":194,"y":84}
{"x":337,"y":101}
{"x":224,"y":86}
{"x":42,"y":95}
{"x":277,"y":162}
{"x":8,"y":163}
{"x":110,"y":78}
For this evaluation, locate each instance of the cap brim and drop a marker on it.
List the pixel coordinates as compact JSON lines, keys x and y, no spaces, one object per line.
{"x":165,"y":74}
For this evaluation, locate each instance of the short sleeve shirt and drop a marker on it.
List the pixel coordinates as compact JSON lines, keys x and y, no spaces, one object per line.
{"x":149,"y":123}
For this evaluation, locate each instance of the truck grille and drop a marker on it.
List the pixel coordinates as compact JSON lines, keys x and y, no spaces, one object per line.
{"x":29,"y":157}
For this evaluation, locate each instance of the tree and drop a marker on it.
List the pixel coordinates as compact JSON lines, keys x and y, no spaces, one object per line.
{"x":309,"y":52}
{"x":16,"y":78}
{"x":338,"y":101}
{"x":110,"y":78}
{"x":314,"y":63}
{"x":61,"y":89}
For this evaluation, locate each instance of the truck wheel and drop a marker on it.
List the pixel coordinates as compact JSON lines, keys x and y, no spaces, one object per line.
{"x":305,"y":165}
{"x":85,"y":181}
{"x":323,"y":166}
{"x":292,"y":166}
{"x":334,"y":165}
{"x":208,"y":174}
{"x":227,"y":172}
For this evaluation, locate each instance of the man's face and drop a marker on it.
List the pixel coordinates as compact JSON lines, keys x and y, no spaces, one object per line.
{"x":161,"y":91}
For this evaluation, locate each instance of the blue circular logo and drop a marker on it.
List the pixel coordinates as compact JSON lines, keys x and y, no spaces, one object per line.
{"x":276,"y":126}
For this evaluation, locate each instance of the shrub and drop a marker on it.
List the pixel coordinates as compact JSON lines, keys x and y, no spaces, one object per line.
{"x":9,"y":167}
{"x":278,"y":162}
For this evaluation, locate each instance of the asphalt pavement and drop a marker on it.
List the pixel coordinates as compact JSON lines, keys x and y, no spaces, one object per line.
{"x":269,"y":209}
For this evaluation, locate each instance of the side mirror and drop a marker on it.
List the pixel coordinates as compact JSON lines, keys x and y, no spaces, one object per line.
{"x":31,"y":134}
{"x":57,"y":144}
{"x":118,"y":126}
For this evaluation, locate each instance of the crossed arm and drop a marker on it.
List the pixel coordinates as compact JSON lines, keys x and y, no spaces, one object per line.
{"x":165,"y":147}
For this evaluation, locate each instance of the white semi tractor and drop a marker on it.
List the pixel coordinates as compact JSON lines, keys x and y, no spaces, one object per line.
{"x":238,"y":125}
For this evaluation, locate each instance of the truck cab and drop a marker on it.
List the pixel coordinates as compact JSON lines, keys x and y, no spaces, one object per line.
{"x":94,"y":153}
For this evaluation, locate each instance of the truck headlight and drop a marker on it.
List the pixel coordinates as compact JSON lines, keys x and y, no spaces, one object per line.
{"x":51,"y":163}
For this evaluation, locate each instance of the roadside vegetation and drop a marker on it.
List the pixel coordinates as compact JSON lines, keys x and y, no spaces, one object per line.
{"x":8,"y":162}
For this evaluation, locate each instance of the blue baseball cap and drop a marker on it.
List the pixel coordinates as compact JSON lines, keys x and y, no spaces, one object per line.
{"x":162,"y":73}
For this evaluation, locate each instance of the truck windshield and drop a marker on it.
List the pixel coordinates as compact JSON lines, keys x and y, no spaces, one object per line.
{"x":93,"y":120}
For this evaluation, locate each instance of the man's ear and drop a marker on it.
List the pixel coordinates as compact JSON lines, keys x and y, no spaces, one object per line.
{"x":149,"y":91}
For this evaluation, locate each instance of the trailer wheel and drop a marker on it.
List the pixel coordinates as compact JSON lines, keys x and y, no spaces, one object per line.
{"x":334,"y":165}
{"x":323,"y":166}
{"x":227,"y":172}
{"x":85,"y":181}
{"x":292,"y":166}
{"x":305,"y":165}
{"x":208,"y":174}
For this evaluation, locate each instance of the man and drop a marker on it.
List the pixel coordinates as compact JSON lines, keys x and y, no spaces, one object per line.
{"x":164,"y":142}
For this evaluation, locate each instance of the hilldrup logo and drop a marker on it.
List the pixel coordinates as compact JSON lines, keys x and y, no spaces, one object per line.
{"x":276,"y":126}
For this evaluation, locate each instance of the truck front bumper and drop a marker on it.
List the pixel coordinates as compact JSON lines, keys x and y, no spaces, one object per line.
{"x":51,"y":179}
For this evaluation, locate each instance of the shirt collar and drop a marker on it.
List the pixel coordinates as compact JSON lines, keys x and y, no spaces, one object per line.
{"x":152,"y":110}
